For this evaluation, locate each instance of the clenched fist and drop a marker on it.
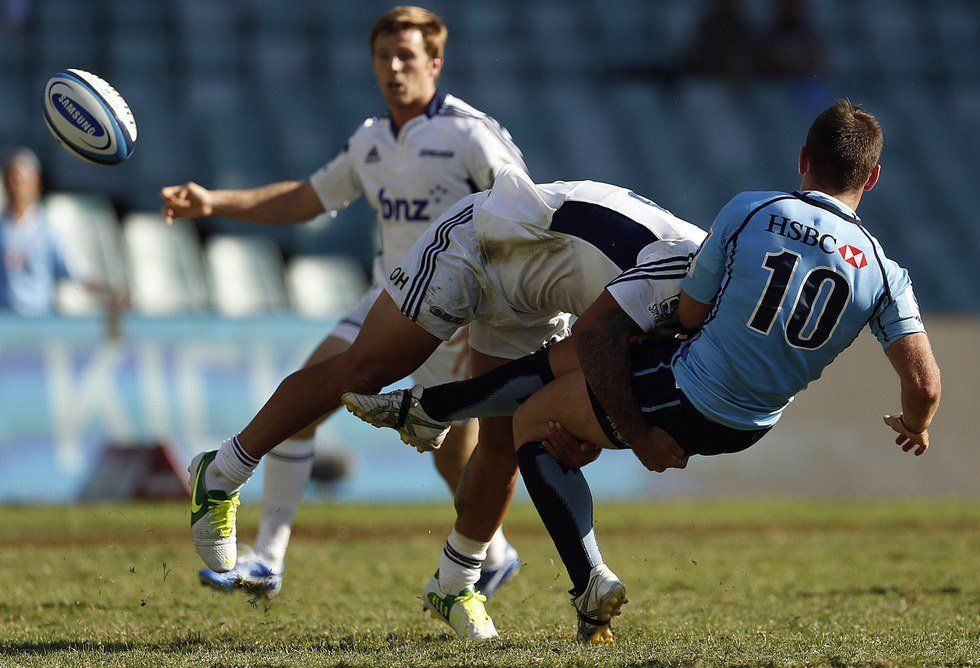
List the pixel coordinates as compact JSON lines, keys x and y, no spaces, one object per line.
{"x":190,"y":200}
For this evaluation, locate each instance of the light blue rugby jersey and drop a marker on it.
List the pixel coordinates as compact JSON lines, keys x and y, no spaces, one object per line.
{"x":793,"y":279}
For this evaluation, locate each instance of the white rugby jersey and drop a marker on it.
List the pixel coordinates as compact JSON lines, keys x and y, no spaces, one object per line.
{"x":518,"y":214}
{"x":437,"y":158}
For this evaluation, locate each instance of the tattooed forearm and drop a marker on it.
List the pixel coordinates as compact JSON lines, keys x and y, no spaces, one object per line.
{"x":602,"y":343}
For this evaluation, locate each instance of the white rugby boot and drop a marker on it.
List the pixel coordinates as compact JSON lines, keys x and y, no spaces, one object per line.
{"x":399,"y":410}
{"x":598,"y":604}
{"x":463,"y":612}
{"x":213,"y":514}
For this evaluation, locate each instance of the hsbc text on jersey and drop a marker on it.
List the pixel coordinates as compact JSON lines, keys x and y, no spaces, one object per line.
{"x":797,"y":231}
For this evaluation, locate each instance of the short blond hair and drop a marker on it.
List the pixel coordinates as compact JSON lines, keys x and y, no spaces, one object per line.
{"x":407,"y":17}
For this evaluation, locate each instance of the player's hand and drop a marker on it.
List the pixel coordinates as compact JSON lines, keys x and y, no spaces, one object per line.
{"x":461,"y":338}
{"x":187,"y":201}
{"x":568,"y":450}
{"x":658,"y":451}
{"x":906,"y":438}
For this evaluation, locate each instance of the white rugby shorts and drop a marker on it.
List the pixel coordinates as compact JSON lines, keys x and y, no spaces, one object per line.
{"x":447,"y":281}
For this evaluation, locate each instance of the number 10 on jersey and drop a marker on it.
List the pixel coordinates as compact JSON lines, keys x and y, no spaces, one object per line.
{"x":781,"y":266}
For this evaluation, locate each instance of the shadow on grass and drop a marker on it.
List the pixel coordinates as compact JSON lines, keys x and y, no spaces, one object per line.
{"x":394,"y":649}
{"x":354,"y":643}
{"x":881,"y":591}
{"x":21,"y":648}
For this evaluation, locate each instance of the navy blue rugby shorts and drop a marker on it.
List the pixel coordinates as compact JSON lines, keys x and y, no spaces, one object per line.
{"x":664,"y":405}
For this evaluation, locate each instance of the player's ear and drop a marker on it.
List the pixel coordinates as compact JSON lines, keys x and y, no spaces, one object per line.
{"x":803,"y":163}
{"x":435,"y":65}
{"x":873,"y":178}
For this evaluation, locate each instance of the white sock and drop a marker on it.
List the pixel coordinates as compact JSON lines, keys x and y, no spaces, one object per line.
{"x":496,"y":550}
{"x":460,"y":562}
{"x":231,"y":468}
{"x":287,"y":470}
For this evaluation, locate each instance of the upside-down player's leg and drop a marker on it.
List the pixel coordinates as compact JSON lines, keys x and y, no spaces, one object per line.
{"x":500,"y":391}
{"x":564,"y":501}
{"x":422,"y":415}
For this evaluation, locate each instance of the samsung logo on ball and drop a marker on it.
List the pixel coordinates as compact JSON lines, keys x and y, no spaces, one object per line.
{"x":78,"y":116}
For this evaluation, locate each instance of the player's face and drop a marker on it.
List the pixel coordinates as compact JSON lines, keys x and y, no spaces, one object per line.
{"x":406,"y":74}
{"x":22,"y":183}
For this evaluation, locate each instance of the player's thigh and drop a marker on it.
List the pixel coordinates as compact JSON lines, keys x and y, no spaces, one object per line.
{"x":389,"y":346}
{"x":345,"y":331}
{"x":331,"y":346}
{"x":564,"y":400}
{"x":562,"y":357}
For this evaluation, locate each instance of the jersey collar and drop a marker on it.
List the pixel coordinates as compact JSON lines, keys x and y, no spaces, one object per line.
{"x":431,"y":109}
{"x":828,"y":203}
{"x":435,"y":104}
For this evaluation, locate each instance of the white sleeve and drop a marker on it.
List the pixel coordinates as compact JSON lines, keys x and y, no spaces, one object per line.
{"x":490,"y":147}
{"x":336,"y":183}
{"x":650,"y":291}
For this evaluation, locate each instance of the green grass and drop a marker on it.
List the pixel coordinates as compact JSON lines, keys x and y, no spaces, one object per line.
{"x":760,"y":582}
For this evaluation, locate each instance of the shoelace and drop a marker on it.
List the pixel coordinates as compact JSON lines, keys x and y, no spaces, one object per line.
{"x":472,"y":602}
{"x":223,"y":515}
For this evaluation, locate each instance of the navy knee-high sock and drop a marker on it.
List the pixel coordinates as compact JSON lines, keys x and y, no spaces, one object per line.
{"x":564,"y":502}
{"x":499,"y":392}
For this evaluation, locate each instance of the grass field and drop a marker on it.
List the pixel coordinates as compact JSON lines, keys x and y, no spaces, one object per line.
{"x":773,"y":582}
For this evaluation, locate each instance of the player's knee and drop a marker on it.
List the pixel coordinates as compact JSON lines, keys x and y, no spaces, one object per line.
{"x":527,"y":425}
{"x":307,"y":433}
{"x":367,"y":376}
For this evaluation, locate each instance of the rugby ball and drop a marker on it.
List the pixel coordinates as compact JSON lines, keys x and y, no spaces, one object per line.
{"x":89,"y":118}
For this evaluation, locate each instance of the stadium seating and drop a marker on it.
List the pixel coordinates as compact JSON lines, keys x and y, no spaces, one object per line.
{"x":590,"y":90}
{"x":166,"y":272}
{"x":324,"y":285}
{"x":88,"y":230}
{"x":246,"y":275}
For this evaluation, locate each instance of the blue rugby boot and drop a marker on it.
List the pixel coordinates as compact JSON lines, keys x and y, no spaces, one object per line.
{"x":492,"y":579}
{"x":250,"y":575}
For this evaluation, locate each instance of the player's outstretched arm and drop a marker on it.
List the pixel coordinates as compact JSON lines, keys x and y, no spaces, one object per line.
{"x":275,"y":204}
{"x":912,"y":358}
{"x":602,"y":337}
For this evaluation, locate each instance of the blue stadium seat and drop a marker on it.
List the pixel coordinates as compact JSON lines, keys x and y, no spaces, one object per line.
{"x":246,"y":275}
{"x":136,"y":55}
{"x":280,"y":61}
{"x":956,"y":36}
{"x":88,"y":230}
{"x":141,"y":16}
{"x":552,"y":29}
{"x":323,"y":285}
{"x":164,"y":265}
{"x":663,"y":169}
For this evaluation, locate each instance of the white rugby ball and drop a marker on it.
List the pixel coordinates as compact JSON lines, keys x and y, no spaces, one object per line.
{"x":88,"y":117}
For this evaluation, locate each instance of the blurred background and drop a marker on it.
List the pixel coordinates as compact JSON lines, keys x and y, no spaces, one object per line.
{"x":685,"y":101}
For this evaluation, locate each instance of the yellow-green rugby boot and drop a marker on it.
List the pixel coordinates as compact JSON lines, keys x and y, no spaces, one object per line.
{"x":463,"y":612}
{"x":213,"y":516}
